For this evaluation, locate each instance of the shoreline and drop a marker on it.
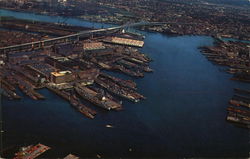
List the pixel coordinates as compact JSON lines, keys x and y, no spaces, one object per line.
{"x":214,"y":115}
{"x":110,"y":23}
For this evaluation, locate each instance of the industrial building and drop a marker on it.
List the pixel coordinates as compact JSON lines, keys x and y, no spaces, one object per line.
{"x":62,"y":77}
{"x":125,"y":41}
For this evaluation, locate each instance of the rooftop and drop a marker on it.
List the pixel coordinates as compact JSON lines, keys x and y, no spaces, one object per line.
{"x":61,"y":73}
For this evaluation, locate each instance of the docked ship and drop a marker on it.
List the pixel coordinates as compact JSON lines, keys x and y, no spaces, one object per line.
{"x":97,"y":99}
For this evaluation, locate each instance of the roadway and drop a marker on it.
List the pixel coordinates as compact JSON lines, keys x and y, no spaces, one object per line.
{"x":42,"y":42}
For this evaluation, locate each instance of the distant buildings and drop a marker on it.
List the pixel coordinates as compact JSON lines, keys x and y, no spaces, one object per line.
{"x":50,"y":3}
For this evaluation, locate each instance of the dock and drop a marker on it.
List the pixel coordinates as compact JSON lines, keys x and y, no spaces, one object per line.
{"x":31,"y":152}
{"x":97,"y":99}
{"x":238,"y":109}
{"x":75,"y":102}
{"x":74,"y":67}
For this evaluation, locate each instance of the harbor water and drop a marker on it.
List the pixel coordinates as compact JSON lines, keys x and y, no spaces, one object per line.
{"x":183,"y":115}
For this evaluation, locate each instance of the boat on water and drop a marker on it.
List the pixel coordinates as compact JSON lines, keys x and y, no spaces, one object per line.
{"x":97,"y":99}
{"x":109,"y":126}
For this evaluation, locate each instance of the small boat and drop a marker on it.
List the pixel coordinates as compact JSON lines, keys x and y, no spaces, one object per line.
{"x":109,"y":126}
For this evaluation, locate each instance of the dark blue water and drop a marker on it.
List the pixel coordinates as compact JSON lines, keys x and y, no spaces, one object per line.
{"x":53,"y":19}
{"x":183,"y":115}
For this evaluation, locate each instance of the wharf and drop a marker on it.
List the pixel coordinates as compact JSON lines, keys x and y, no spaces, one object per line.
{"x":31,"y":151}
{"x":129,"y":64}
{"x":124,"y":41}
{"x":72,"y":66}
{"x":74,"y":101}
{"x":127,"y":71}
{"x":118,"y":90}
{"x":238,"y":120}
{"x":10,"y":93}
{"x":97,"y":99}
{"x":121,"y":82}
{"x":238,"y":111}
{"x":233,"y":54}
{"x":239,"y":103}
{"x":8,"y":85}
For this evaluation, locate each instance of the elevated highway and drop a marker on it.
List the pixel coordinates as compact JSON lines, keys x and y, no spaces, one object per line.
{"x":72,"y":37}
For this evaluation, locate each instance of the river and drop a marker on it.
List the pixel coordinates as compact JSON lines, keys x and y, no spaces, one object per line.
{"x":183,"y":115}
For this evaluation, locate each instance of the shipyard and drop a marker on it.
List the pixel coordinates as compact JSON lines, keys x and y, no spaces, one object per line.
{"x":124,"y":79}
{"x":233,"y":54}
{"x":76,"y":70}
{"x":235,"y":57}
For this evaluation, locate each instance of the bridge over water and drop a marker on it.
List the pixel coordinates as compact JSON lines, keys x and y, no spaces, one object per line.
{"x":72,"y":37}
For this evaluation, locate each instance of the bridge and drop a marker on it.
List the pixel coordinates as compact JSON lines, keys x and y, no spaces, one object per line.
{"x":72,"y":37}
